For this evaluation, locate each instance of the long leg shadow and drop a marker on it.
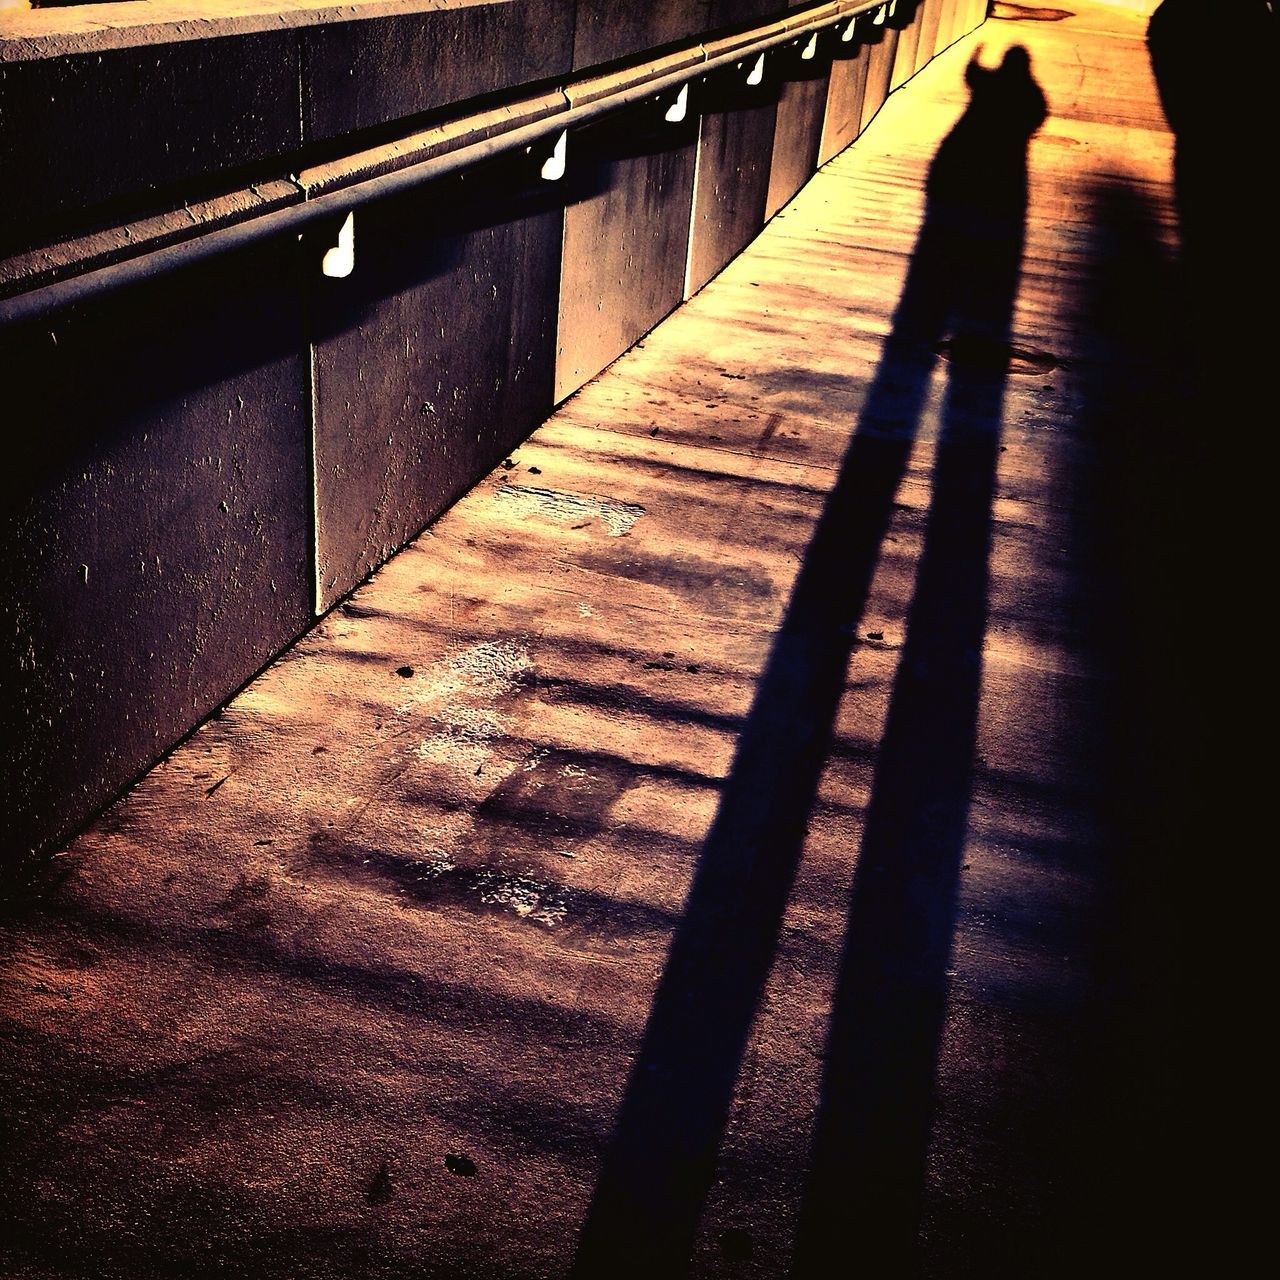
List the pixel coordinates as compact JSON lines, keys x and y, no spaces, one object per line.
{"x":874,"y":1119}
{"x":661,"y":1157}
{"x":867,"y":1170}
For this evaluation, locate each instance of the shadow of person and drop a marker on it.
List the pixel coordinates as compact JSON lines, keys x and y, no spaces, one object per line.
{"x":866,"y":1175}
{"x":1206,"y":559}
{"x":1223,"y":108}
{"x":661,"y":1157}
{"x":1217,"y":80}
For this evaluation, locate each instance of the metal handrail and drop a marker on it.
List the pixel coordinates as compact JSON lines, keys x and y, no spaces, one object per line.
{"x":48,"y":298}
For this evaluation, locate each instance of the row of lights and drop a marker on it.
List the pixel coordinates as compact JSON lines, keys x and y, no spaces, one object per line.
{"x":339,"y":261}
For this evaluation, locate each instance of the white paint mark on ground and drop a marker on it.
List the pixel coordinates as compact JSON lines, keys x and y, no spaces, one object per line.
{"x":491,"y":668}
{"x":529,"y":898}
{"x":461,"y":695}
{"x":482,"y":671}
{"x":523,"y":894}
{"x":437,"y":863}
{"x":569,"y":508}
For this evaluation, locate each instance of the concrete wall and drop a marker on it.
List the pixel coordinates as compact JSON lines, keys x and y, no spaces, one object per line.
{"x":431,"y":360}
{"x":626,"y":236}
{"x":155,"y":521}
{"x":802,"y":103}
{"x":608,"y":30}
{"x":202,"y":462}
{"x":734,"y":162}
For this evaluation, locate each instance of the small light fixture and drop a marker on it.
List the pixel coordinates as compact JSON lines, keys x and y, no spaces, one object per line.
{"x":679,"y":108}
{"x":340,"y":261}
{"x":554,"y":166}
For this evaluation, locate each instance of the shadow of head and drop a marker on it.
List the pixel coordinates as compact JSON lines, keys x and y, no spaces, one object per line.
{"x":1006,"y":97}
{"x":978,"y":178}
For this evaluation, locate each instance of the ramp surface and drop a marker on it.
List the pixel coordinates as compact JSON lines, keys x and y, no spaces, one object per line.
{"x":698,"y":850}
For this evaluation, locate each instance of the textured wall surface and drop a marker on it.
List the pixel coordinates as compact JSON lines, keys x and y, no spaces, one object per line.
{"x":84,"y":135}
{"x":432,"y":359}
{"x":802,"y":103}
{"x":880,"y":53}
{"x":626,"y":236}
{"x":845,"y":94}
{"x":734,"y":158}
{"x":930,"y":20}
{"x":363,"y":74}
{"x":155,"y":526}
{"x":612,"y":29}
{"x":904,"y":60}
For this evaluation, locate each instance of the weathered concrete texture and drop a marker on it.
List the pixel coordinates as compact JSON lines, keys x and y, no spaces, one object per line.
{"x":883,"y":43}
{"x":156,"y":525}
{"x":360,"y":75}
{"x":629,"y":193}
{"x":949,"y":28}
{"x":369,"y":978}
{"x":961,"y":16}
{"x":432,"y":359}
{"x":845,"y":94}
{"x":87,"y":252}
{"x":802,"y":105}
{"x":735,"y":148}
{"x":930,"y":20}
{"x":908,"y":22}
{"x":83,"y":136}
{"x":117,"y":24}
{"x":611,"y":29}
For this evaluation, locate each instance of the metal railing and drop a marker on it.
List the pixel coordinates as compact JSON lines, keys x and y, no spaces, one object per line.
{"x":583,"y":99}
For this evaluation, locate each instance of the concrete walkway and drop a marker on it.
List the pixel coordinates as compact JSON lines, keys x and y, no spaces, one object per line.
{"x":702,"y":843}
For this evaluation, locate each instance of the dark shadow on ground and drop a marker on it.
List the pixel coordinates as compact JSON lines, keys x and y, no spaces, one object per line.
{"x":1208,"y":657}
{"x":873,"y":1125}
{"x":1216,"y":69}
{"x":1217,"y":76}
{"x":1128,"y":500}
{"x":661,"y":1157}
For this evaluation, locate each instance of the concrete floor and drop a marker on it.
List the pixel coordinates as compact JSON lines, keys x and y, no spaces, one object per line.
{"x":703,"y":843}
